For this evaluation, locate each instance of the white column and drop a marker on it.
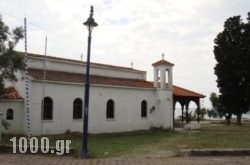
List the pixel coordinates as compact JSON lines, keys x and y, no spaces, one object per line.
{"x":1,"y":125}
{"x":155,"y":77}
{"x":170,"y":78}
{"x":163,"y":78}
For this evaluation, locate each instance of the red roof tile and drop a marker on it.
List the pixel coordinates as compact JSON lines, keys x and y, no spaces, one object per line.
{"x":162,"y":62}
{"x":102,"y":80}
{"x":10,"y":93}
{"x":179,"y":91}
{"x":80,"y":78}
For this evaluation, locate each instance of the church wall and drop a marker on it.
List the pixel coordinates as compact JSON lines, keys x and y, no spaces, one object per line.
{"x":165,"y":104}
{"x":127,"y":116}
{"x":63,"y":96}
{"x":16,"y":125}
{"x":127,"y":109}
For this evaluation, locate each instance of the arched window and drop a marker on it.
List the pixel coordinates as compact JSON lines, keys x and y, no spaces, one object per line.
{"x":77,"y":109}
{"x":47,"y":104}
{"x":144,"y":108}
{"x":110,"y":111}
{"x":10,"y":114}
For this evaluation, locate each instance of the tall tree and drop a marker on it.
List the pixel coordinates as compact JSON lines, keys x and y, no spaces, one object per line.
{"x":246,"y":41}
{"x":218,"y":110}
{"x":232,"y":71}
{"x":214,"y":99}
{"x":10,"y":61}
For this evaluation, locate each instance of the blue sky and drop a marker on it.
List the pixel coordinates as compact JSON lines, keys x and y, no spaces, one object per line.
{"x":138,"y":31}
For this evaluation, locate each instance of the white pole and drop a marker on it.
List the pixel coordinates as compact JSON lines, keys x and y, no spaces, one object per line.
{"x":27,"y":95}
{"x":44,"y":85}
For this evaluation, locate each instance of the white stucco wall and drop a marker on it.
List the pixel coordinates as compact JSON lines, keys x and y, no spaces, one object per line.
{"x":165,"y":104}
{"x":127,"y":108}
{"x":16,"y":125}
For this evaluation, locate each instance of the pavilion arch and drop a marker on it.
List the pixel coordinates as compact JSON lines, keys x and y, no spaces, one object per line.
{"x":184,"y":97}
{"x":177,"y":106}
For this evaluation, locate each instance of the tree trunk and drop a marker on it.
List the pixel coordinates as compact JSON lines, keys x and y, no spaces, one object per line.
{"x":239,"y":115}
{"x":228,"y":119}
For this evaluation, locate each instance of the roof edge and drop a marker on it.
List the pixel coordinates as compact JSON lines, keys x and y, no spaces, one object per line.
{"x":34,"y":55}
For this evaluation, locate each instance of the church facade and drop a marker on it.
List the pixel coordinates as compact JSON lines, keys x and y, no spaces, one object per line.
{"x":121,"y":99}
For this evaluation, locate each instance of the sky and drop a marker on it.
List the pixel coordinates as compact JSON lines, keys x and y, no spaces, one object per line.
{"x":131,"y":31}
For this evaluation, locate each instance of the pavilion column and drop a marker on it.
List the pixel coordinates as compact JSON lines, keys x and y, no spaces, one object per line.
{"x":198,"y":110}
{"x":182,"y":114}
{"x":187,"y":113}
{"x":174,"y":118}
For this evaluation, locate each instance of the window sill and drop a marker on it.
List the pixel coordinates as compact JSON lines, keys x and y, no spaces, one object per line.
{"x":47,"y":121}
{"x":144,"y":118}
{"x":110,"y":119}
{"x":77,"y":120}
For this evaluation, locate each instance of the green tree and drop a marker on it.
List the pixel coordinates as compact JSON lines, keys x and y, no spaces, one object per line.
{"x":202,"y":112}
{"x":217,"y":110}
{"x":10,"y":61}
{"x":214,"y":99}
{"x":232,"y":55}
{"x":246,"y":42}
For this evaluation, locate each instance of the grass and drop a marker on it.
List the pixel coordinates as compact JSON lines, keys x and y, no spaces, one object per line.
{"x":215,"y":135}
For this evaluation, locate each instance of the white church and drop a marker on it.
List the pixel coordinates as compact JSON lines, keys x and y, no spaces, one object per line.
{"x":121,"y":99}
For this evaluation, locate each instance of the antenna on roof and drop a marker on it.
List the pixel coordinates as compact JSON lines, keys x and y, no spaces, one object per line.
{"x":81,"y":56}
{"x":132,"y":64}
{"x":163,"y":55}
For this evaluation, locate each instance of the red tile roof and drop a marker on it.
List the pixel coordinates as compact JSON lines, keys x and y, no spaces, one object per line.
{"x":102,"y":80}
{"x":162,"y":62}
{"x":179,"y":91}
{"x":80,"y":78}
{"x":10,"y":93}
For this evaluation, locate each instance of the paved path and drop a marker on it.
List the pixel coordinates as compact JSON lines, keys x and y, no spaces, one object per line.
{"x":25,"y":159}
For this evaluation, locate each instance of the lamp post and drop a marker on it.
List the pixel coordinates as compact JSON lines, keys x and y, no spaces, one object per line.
{"x":90,"y":23}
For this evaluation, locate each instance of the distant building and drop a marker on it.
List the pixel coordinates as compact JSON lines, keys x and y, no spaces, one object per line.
{"x":121,"y":99}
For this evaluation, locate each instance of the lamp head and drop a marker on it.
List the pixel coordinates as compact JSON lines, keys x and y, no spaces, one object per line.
{"x":90,"y":23}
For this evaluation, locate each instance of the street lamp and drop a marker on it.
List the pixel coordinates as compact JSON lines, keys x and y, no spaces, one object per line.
{"x":90,"y":23}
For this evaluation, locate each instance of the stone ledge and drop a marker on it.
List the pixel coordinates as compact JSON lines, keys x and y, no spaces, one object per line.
{"x":216,"y":152}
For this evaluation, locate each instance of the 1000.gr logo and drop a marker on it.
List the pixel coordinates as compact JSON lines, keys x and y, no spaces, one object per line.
{"x":44,"y":145}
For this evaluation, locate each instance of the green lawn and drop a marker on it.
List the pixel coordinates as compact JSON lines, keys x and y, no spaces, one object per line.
{"x":152,"y":142}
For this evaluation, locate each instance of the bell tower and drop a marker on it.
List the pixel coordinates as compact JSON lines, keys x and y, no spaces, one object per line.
{"x":163,"y":83}
{"x":163,"y":74}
